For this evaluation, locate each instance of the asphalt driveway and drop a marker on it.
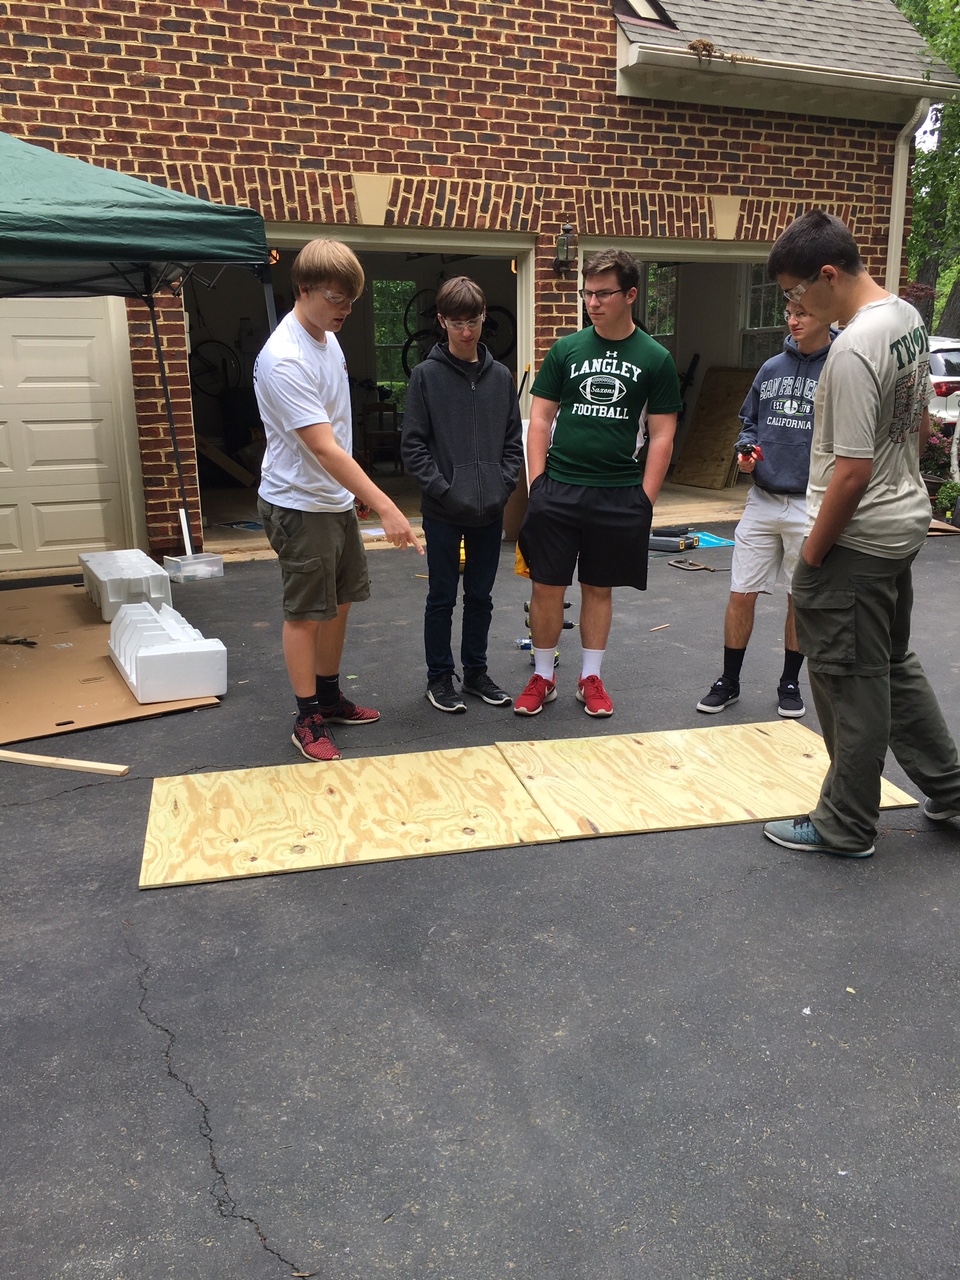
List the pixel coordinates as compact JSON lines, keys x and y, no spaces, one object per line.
{"x":665,"y":1057}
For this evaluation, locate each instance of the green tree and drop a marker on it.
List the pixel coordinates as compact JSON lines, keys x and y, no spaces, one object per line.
{"x":934,"y":245}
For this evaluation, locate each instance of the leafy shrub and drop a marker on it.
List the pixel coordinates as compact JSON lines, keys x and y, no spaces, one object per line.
{"x":947,"y":497}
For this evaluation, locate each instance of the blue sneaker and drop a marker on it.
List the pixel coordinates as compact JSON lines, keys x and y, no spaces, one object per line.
{"x":801,"y":834}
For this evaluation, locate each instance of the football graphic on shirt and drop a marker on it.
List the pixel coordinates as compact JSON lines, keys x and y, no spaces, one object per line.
{"x":600,"y":389}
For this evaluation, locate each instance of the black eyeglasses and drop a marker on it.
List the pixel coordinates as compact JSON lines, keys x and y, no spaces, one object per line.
{"x":601,"y":295}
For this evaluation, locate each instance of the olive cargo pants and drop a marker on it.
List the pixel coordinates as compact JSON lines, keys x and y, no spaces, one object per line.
{"x":870,"y":691}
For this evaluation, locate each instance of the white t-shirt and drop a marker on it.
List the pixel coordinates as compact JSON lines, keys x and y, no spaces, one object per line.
{"x":300,"y":381}
{"x":869,"y":404}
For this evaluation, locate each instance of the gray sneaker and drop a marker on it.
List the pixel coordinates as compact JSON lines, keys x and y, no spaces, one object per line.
{"x":939,"y":813}
{"x":802,"y":835}
{"x":479,"y":684}
{"x":442,"y":694}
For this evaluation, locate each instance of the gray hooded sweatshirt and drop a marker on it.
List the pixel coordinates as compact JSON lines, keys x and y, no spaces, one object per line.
{"x":462,"y":438}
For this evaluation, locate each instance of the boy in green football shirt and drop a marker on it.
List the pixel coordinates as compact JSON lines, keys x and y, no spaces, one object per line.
{"x":599,"y":395}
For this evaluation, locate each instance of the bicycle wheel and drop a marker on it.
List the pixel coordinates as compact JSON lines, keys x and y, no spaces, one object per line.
{"x":214,"y":367}
{"x":416,"y":348}
{"x":499,"y":332}
{"x":420,"y":307}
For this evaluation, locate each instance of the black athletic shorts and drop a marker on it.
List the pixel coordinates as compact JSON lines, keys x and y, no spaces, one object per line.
{"x":605,"y":532}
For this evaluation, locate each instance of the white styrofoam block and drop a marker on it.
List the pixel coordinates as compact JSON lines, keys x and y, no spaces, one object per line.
{"x":162,"y":658}
{"x":115,"y":578}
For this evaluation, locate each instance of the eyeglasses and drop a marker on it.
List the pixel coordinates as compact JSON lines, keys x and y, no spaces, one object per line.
{"x":338,"y":299}
{"x":601,"y":295}
{"x":475,"y":323}
{"x":796,"y":315}
{"x":798,"y":290}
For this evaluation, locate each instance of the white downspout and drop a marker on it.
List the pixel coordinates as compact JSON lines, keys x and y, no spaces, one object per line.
{"x":898,"y":196}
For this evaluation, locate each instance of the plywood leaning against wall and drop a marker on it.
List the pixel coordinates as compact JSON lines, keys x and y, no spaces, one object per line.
{"x":706,"y":459}
{"x":221,"y":826}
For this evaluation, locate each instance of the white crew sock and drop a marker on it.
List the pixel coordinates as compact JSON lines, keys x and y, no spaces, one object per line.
{"x":543,"y":662}
{"x":592,"y":661}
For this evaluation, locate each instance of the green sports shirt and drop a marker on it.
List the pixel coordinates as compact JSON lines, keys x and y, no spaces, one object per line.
{"x":605,"y":391}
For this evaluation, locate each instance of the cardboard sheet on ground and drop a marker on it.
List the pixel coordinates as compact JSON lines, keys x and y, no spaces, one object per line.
{"x":69,"y":680}
{"x":222,"y":826}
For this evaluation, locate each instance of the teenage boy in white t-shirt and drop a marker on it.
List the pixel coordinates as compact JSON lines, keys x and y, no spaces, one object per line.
{"x":867,"y":517}
{"x":309,"y":480}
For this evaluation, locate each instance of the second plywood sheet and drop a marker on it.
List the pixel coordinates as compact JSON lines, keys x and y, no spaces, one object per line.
{"x":677,"y":779}
{"x":220,"y":826}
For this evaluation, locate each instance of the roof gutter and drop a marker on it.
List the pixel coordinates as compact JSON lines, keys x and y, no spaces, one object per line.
{"x":765,"y":83}
{"x":898,"y":196}
{"x":757,"y":67}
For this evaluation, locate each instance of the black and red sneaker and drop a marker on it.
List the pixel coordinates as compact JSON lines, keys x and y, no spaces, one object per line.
{"x":313,"y":738}
{"x":347,"y":712}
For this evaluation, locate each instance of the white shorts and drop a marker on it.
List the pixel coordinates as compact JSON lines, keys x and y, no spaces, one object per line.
{"x":767,"y":540}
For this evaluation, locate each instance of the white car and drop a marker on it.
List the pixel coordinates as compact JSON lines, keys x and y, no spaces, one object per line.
{"x":945,"y":376}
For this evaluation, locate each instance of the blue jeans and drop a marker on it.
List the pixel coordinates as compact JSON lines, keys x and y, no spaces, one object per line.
{"x":482,"y":548}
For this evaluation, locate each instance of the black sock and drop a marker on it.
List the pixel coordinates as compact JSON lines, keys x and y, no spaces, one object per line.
{"x":307,"y":707}
{"x":732,"y":662}
{"x":328,"y":690}
{"x":792,"y":662}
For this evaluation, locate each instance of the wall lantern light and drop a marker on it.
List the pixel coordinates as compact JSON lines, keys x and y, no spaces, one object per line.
{"x":566,"y":259}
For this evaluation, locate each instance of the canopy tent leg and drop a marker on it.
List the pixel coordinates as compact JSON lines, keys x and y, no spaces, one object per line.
{"x":184,"y":507}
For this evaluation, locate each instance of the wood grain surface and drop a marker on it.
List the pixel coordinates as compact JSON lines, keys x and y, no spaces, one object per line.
{"x":256,"y":822}
{"x":677,"y":779}
{"x":220,"y":826}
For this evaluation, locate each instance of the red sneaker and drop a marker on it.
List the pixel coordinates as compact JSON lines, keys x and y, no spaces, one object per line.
{"x":346,"y":712}
{"x":314,"y":739}
{"x":594,"y":697}
{"x":537,"y":692}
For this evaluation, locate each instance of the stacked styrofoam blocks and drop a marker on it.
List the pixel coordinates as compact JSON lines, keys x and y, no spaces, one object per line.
{"x":162,"y":658}
{"x":115,"y":578}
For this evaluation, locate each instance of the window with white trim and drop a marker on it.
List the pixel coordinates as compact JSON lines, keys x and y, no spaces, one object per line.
{"x":762,"y":330}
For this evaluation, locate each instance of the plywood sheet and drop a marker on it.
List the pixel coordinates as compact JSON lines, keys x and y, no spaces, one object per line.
{"x":68,"y":681}
{"x":706,"y":458}
{"x":256,"y":822}
{"x":677,"y":779}
{"x":220,"y":826}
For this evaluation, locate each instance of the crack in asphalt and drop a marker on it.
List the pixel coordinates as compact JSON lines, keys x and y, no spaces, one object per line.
{"x":220,"y":1190}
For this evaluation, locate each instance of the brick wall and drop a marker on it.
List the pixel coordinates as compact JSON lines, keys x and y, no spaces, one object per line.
{"x":500,"y":117}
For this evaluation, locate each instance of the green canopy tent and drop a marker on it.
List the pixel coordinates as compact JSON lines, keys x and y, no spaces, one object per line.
{"x":71,"y":229}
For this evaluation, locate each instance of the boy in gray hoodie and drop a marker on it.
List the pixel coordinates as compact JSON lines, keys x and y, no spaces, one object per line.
{"x":774,"y":447}
{"x":462,"y":443}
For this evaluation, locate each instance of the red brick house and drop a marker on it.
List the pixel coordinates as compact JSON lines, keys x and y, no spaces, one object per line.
{"x":447,"y":137}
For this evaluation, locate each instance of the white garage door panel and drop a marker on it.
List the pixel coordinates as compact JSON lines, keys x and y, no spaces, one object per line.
{"x":51,"y":529}
{"x":62,"y":444}
{"x":45,"y":364}
{"x":89,"y":517}
{"x":64,"y":486}
{"x":10,"y":536}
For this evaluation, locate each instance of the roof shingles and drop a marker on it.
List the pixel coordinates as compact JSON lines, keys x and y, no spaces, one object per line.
{"x":843,"y":35}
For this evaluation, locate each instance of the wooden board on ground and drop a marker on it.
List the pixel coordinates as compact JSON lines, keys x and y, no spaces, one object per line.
{"x":678,"y":779}
{"x":256,"y":822}
{"x":220,"y":826}
{"x":706,"y":458}
{"x":68,"y":681}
